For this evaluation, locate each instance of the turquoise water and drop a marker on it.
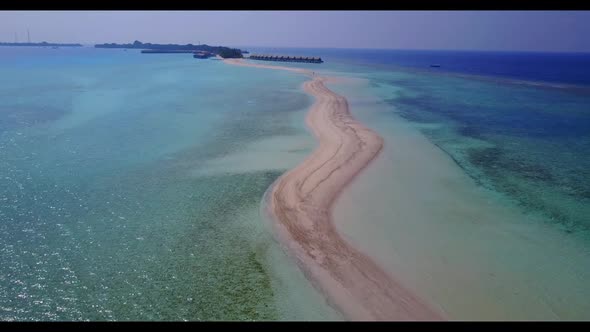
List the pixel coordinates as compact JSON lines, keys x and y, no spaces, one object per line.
{"x":479,"y":200}
{"x":130,"y":184}
{"x":522,"y":130}
{"x":116,"y":202}
{"x":531,"y":144}
{"x":473,"y":252}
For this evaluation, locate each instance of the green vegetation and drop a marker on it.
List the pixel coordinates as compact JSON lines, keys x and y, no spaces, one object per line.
{"x":224,"y":52}
{"x":230,"y":53}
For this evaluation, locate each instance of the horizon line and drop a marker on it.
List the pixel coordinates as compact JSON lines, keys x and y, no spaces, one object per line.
{"x":336,"y":47}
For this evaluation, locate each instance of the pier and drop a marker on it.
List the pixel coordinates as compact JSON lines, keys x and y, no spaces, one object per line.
{"x":285,"y":58}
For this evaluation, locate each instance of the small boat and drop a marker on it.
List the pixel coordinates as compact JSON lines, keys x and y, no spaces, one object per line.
{"x":435,"y":66}
{"x":54,"y":47}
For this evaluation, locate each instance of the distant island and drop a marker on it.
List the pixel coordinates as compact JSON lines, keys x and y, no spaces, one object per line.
{"x":222,"y":51}
{"x":41,"y":44}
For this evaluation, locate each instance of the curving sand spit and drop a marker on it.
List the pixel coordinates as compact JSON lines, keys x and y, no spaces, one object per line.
{"x":301,"y":202}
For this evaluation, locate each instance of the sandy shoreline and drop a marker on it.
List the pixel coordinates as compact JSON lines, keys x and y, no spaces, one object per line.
{"x":301,"y":202}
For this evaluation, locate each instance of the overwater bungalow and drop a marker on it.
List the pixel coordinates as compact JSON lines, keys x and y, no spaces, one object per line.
{"x":266,"y":57}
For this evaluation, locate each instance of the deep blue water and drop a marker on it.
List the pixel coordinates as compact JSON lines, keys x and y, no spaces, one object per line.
{"x":565,"y":68}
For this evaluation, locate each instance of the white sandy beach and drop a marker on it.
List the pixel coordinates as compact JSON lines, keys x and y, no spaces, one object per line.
{"x":301,"y":202}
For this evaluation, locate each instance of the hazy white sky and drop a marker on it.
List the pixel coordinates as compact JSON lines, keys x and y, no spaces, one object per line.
{"x":479,"y":30}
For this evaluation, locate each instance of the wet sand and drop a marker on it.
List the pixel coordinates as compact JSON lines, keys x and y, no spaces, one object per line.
{"x":301,"y":204}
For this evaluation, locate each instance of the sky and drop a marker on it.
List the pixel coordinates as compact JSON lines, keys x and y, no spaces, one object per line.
{"x":556,"y":31}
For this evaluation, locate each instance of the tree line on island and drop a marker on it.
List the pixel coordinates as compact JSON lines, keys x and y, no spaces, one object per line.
{"x":222,"y":51}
